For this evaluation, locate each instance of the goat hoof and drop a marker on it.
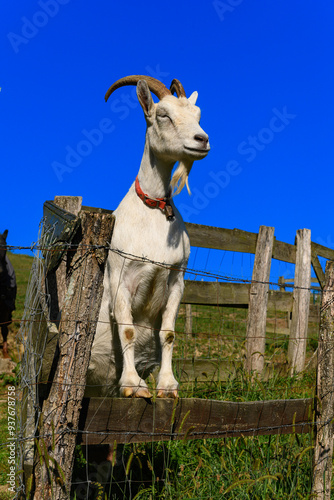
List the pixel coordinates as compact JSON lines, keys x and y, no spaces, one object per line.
{"x":142,"y":392}
{"x":127,"y":392}
{"x":168,"y":394}
{"x":5,"y":350}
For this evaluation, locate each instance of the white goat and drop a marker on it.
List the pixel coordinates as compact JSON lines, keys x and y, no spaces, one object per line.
{"x":143,"y":283}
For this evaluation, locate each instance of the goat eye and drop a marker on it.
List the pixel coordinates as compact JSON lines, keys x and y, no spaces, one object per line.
{"x":164,"y":117}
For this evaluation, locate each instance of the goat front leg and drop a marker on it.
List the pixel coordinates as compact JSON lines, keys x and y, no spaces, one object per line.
{"x":4,"y":331}
{"x":167,"y":385}
{"x":131,"y":385}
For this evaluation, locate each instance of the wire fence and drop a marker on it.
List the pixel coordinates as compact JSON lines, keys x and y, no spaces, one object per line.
{"x":208,"y":359}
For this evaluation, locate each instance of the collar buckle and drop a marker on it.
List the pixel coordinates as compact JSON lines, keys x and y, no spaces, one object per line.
{"x":162,"y":203}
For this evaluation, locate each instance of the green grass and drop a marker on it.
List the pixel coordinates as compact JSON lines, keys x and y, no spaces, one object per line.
{"x":22,"y":266}
{"x":236,"y":468}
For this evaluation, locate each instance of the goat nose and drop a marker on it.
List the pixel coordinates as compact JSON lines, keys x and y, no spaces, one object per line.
{"x":203,"y":139}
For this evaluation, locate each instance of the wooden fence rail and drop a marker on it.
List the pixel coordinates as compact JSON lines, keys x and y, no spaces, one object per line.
{"x":136,"y":420}
{"x":289,"y":283}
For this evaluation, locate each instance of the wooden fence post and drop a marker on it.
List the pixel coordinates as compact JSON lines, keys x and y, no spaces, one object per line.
{"x":301,"y":302}
{"x":281,"y":282}
{"x":189,"y":321}
{"x":258,"y":300}
{"x":61,"y":410}
{"x":323,"y":450}
{"x":38,"y":332}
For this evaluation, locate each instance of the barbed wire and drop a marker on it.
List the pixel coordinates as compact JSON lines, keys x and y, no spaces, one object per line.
{"x":68,"y":247}
{"x":233,"y":428}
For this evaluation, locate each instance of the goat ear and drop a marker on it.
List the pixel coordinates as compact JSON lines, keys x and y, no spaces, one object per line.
{"x":144,"y":97}
{"x":5,"y":233}
{"x":193,"y":98}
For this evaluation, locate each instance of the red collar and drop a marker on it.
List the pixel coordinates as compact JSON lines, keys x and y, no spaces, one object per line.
{"x":162,"y":203}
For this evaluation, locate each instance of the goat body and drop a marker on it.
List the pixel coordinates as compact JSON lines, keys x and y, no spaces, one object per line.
{"x":143,"y":281}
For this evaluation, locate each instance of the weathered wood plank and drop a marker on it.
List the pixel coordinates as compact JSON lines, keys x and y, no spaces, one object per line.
{"x":215,"y":293}
{"x":136,"y":420}
{"x":237,"y":295}
{"x":235,"y":240}
{"x":301,"y":302}
{"x":323,"y":450}
{"x":318,"y":269}
{"x":257,"y":309}
{"x":279,"y":301}
{"x":322,"y":251}
{"x":220,"y":238}
{"x":284,"y":251}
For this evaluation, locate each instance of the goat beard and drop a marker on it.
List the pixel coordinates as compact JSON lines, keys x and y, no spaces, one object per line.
{"x":180,"y":177}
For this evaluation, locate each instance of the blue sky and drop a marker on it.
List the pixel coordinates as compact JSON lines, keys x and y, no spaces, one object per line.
{"x":264,"y":73}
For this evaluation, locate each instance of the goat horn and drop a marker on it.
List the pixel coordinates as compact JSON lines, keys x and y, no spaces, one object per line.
{"x":155,"y":86}
{"x":176,"y":86}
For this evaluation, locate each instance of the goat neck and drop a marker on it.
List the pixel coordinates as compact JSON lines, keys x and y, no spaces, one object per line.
{"x":154,"y":174}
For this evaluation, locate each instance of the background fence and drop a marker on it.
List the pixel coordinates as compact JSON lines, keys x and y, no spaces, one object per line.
{"x":226,"y":324}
